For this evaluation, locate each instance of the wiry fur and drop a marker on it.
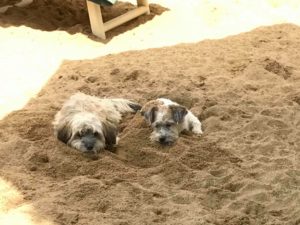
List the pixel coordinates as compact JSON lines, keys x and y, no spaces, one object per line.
{"x":88,"y":123}
{"x":168,"y":119}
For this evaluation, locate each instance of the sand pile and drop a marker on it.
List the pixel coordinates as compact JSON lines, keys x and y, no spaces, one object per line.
{"x":245,"y":169}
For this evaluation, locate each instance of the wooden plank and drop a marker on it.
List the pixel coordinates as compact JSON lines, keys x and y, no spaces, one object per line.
{"x":96,"y":20}
{"x":125,"y":18}
{"x":99,"y":28}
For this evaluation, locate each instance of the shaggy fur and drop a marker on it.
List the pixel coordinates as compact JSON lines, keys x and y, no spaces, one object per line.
{"x":88,"y":123}
{"x":168,"y":119}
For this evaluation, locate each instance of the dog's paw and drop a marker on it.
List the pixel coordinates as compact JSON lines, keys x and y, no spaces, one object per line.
{"x":197,"y":130}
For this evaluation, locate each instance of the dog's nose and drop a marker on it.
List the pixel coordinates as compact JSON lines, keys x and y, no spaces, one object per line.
{"x":89,"y":146}
{"x":162,"y":139}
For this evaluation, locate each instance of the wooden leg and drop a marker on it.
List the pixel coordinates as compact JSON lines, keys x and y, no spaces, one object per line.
{"x":96,"y":19}
{"x":125,"y":17}
{"x":144,"y":3}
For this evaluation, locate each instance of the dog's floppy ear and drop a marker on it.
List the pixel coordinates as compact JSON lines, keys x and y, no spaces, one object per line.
{"x":64,"y":133}
{"x":135,"y":107}
{"x":178,"y":113}
{"x":110,"y":133}
{"x":150,"y":115}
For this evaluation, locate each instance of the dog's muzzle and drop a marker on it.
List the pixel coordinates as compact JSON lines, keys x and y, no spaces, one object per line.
{"x":165,"y":140}
{"x":89,"y":141}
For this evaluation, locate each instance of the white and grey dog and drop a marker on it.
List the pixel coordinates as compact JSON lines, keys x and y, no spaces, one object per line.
{"x":89,"y":123}
{"x":168,"y":119}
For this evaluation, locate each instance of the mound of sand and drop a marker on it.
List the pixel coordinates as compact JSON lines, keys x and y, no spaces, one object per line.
{"x":245,"y":169}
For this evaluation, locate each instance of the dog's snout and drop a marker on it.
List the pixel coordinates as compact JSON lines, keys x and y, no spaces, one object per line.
{"x":89,"y":141}
{"x":89,"y":146}
{"x":162,"y":139}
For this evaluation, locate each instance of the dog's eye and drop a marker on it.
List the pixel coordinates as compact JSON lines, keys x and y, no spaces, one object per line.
{"x":96,"y":133}
{"x":169,"y":124}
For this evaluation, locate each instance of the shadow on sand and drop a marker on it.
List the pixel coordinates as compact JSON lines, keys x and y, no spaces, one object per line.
{"x":71,"y":16}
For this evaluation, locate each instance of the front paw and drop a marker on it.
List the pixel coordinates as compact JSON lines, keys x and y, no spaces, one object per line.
{"x":198,"y":131}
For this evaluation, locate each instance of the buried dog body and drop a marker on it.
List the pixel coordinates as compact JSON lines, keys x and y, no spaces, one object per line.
{"x":168,"y":119}
{"x":89,"y":124}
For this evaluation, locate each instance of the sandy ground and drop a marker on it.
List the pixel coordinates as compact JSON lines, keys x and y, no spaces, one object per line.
{"x":245,"y":89}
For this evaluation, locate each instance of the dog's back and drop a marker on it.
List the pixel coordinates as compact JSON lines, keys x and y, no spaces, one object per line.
{"x":112,"y":108}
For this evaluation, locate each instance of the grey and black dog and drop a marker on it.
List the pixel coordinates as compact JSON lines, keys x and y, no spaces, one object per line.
{"x":168,"y":119}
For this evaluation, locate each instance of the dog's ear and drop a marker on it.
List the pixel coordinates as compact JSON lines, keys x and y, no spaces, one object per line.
{"x":178,"y":113}
{"x":64,"y":133}
{"x":135,"y":107}
{"x":110,"y":133}
{"x":150,"y":115}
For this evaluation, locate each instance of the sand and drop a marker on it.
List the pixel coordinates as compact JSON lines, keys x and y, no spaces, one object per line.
{"x":244,"y":169}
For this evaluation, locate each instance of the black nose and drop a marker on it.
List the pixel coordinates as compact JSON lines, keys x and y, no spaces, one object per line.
{"x":89,"y":146}
{"x":162,"y":139}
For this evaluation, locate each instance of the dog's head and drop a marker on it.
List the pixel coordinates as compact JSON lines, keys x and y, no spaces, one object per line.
{"x":85,"y":132}
{"x":165,"y":120}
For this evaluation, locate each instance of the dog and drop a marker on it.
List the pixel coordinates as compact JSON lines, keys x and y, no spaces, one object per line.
{"x":89,"y":124}
{"x":168,"y":119}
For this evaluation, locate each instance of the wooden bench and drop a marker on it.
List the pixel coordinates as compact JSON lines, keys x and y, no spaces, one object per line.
{"x":99,"y":28}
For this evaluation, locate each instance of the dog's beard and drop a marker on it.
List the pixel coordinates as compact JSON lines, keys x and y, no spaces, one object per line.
{"x":79,"y":145}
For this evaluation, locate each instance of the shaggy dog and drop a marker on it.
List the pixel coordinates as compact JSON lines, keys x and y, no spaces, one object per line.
{"x":89,"y":124}
{"x":168,"y":119}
